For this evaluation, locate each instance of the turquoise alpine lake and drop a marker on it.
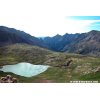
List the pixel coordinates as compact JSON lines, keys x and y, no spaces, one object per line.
{"x":25,"y":69}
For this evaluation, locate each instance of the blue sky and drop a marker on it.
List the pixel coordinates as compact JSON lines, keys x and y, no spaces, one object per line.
{"x":85,"y":17}
{"x":49,"y":17}
{"x":93,"y":22}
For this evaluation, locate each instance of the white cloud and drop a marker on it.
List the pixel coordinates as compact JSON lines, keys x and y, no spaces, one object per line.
{"x":43,"y":17}
{"x":79,"y":25}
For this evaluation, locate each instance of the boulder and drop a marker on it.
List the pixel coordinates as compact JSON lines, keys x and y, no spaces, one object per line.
{"x":8,"y":79}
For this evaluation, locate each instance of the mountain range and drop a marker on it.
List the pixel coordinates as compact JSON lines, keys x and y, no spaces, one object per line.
{"x":17,"y":46}
{"x":80,"y":43}
{"x":10,"y":36}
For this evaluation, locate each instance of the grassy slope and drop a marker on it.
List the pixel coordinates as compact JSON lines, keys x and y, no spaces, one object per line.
{"x":22,"y":53}
{"x":82,"y":67}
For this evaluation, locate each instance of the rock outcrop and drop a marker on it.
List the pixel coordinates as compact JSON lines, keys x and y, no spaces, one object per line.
{"x":8,"y":79}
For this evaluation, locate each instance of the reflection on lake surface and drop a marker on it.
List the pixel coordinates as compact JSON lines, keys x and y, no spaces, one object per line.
{"x":25,"y":69}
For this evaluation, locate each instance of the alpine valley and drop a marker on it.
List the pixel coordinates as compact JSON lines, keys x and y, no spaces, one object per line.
{"x":71,"y":57}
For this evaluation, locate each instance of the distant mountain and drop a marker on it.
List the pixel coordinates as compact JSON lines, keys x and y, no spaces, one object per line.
{"x":84,"y":43}
{"x":58,"y":42}
{"x":12,"y":36}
